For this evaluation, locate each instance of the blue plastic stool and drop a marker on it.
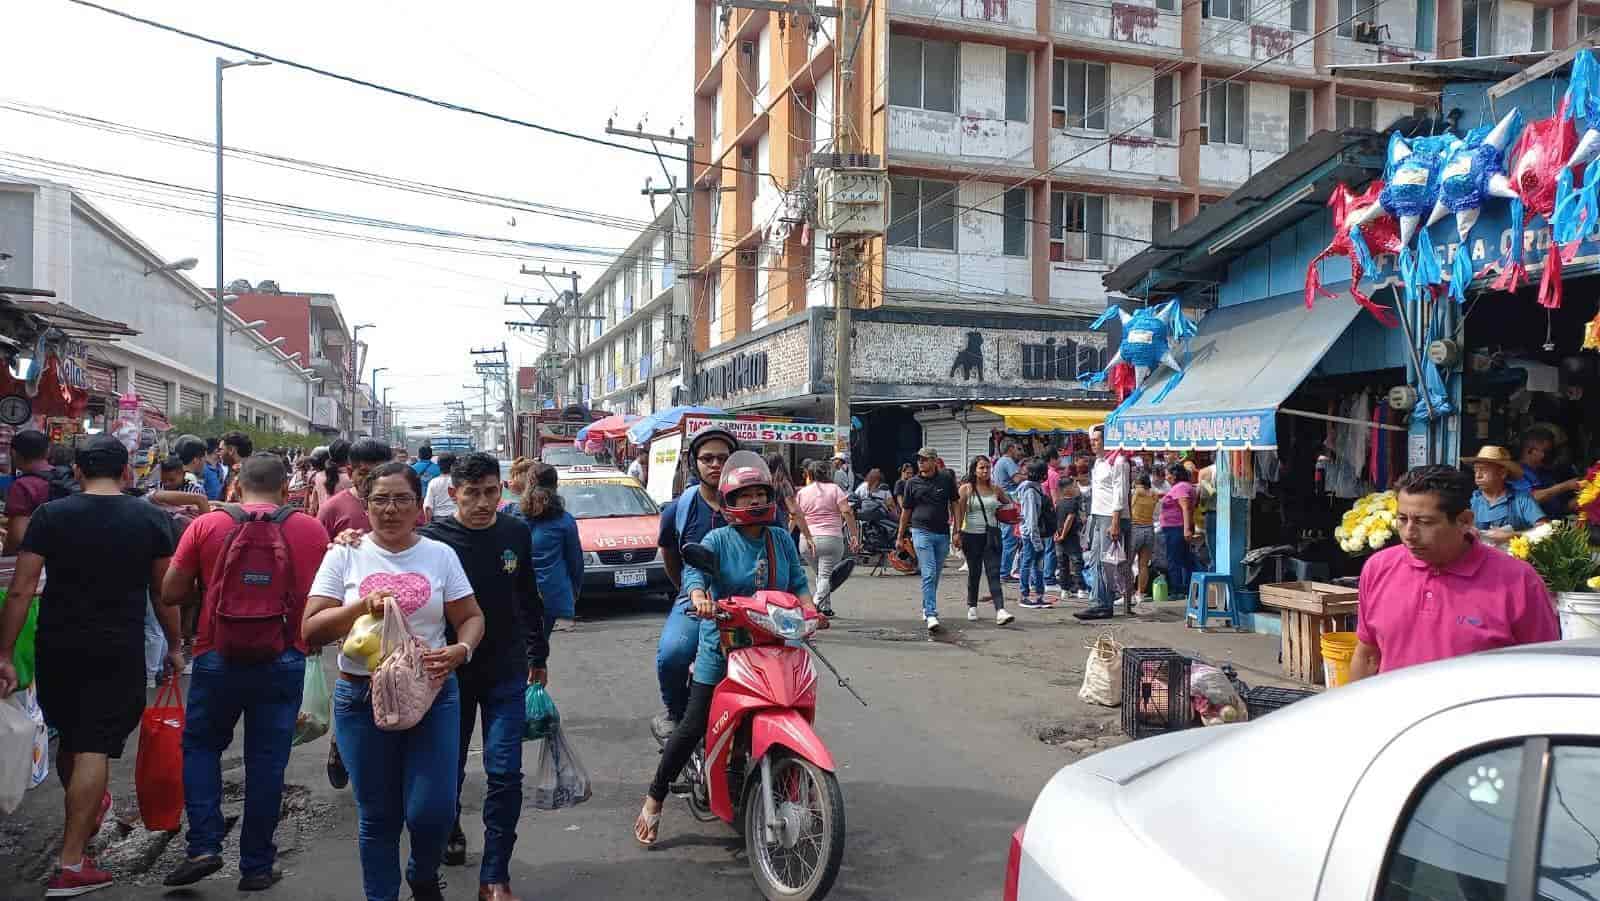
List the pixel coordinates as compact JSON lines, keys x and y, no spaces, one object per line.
{"x":1199,"y":609}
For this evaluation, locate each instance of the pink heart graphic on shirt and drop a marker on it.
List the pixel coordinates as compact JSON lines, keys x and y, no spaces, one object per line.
{"x":411,"y":590}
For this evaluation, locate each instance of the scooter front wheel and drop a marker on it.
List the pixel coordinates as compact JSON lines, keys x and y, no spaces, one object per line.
{"x":800,"y":860}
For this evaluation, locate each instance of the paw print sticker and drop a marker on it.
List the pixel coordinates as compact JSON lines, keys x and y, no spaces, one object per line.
{"x":1485,"y":785}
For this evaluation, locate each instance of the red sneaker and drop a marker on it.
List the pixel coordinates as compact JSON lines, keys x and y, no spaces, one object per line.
{"x":72,"y":883}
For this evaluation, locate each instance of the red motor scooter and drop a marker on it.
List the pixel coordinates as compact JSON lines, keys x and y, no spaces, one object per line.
{"x":762,"y":767}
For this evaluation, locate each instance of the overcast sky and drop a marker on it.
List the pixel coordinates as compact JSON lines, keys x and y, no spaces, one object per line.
{"x":567,"y":65}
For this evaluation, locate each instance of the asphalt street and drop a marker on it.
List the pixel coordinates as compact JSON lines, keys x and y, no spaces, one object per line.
{"x":960,"y":735}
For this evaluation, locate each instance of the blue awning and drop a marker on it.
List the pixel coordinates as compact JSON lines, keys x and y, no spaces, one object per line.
{"x":1244,"y":362}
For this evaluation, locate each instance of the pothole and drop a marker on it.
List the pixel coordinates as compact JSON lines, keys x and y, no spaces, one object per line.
{"x":1081,"y":736}
{"x":885,"y":634}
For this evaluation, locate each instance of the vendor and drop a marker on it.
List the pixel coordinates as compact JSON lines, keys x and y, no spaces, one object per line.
{"x":1552,"y":486}
{"x":1498,"y":509}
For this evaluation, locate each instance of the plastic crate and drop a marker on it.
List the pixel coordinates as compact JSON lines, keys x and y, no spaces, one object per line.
{"x":1155,"y":692}
{"x":1263,"y":699}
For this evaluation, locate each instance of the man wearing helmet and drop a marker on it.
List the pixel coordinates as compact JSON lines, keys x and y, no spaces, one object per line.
{"x":752,"y":554}
{"x":685,"y":520}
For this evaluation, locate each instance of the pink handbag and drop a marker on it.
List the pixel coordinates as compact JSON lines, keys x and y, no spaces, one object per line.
{"x":402,"y":690}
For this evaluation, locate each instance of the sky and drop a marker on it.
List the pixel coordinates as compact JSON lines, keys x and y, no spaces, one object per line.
{"x":566,"y":65}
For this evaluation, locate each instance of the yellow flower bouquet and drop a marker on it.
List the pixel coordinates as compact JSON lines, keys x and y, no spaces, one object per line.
{"x":1369,"y":525}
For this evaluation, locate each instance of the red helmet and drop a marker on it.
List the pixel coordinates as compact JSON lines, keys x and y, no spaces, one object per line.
{"x":746,"y":469}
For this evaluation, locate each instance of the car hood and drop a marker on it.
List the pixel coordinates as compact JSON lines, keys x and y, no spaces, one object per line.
{"x":1126,"y":762}
{"x":618,"y":532}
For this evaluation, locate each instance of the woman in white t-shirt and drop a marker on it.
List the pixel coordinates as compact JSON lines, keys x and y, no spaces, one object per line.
{"x":826,"y":510}
{"x":405,"y":777}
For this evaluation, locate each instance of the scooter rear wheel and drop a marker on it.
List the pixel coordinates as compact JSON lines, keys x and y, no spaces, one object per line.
{"x":803,"y":863}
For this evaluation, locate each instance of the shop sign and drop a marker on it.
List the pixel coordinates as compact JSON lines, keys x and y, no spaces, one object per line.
{"x":817,"y":434}
{"x":741,"y":372}
{"x":663,"y":469}
{"x":1234,"y":430}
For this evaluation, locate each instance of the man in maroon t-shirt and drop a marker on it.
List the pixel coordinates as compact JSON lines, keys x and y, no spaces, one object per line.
{"x":347,"y":509}
{"x":27,"y":493}
{"x":266,"y":694}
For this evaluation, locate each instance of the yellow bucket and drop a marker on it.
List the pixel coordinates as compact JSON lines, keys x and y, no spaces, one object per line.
{"x":1337,"y":649}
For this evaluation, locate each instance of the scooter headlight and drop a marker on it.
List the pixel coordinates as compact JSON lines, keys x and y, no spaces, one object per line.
{"x":789,"y":623}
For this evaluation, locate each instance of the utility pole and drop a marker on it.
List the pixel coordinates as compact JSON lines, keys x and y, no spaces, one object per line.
{"x":500,"y":367}
{"x":545,"y":273}
{"x":844,"y":248}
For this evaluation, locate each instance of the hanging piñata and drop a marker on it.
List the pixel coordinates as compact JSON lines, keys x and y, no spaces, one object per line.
{"x":1577,"y":213}
{"x":1149,"y":337}
{"x":1538,"y":157}
{"x":1410,"y":189}
{"x":1474,"y":170}
{"x":1360,"y":226}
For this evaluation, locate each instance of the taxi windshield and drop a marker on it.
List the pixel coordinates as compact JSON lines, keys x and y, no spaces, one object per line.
{"x":565,"y":455}
{"x":596,"y":499}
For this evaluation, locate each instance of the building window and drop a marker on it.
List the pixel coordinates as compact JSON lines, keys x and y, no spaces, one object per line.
{"x":714,"y":313}
{"x":1541,"y":28}
{"x":1300,"y":15}
{"x":1238,"y":10}
{"x":1078,"y":95}
{"x":1478,"y":20}
{"x":1167,"y":6}
{"x":1165,"y":114}
{"x":760,"y":306}
{"x":922,"y":73}
{"x":922,"y":213}
{"x":1077,"y":226}
{"x":1016,"y":86}
{"x":1163,"y":219}
{"x":716,"y":124}
{"x":1353,"y":112}
{"x":1225,"y":110}
{"x":1299,"y":117}
{"x":1014,"y":241}
{"x":1587,"y":25}
{"x":1354,"y":12}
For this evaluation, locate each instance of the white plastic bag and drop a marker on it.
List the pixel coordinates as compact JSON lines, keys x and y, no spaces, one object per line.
{"x":41,"y":737}
{"x":560,"y":779}
{"x":316,"y":703}
{"x":1214,"y":698}
{"x":1102,"y":672}
{"x":16,"y":752}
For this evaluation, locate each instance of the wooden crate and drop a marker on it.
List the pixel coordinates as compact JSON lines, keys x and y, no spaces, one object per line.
{"x":1309,"y":610}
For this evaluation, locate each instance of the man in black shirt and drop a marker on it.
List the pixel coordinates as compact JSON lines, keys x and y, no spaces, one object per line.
{"x":1070,"y":511}
{"x":928,"y":509}
{"x":105,"y":550}
{"x":496,"y":551}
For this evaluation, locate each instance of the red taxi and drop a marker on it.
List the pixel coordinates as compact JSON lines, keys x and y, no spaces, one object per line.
{"x":617,"y":524}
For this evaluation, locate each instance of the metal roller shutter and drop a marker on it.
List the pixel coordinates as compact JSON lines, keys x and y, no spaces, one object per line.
{"x":191,"y":402}
{"x":948,"y":437}
{"x":151,"y":390}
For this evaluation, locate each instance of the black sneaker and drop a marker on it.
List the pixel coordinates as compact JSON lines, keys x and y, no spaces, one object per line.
{"x":191,"y":871}
{"x":455,"y":850}
{"x":427,"y":891}
{"x":1093,"y":613}
{"x":260,"y":882}
{"x":338,"y":776}
{"x":826,"y":610}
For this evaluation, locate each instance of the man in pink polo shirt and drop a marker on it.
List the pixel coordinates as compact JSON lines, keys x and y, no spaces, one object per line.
{"x":1444,"y":593}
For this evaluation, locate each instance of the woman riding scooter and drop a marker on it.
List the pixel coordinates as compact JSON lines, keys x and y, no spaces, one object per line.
{"x":745,"y":550}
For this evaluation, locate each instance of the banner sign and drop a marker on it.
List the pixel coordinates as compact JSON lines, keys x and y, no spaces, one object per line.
{"x":1234,"y":430}
{"x":818,"y":434}
{"x":663,"y":469}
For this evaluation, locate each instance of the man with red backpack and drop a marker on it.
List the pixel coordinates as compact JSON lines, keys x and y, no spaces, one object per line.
{"x":256,"y":561}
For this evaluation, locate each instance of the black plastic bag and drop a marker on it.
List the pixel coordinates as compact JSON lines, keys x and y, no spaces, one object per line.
{"x":560,"y":780}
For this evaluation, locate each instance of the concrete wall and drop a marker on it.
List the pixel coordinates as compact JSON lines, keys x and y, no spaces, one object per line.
{"x":288,"y":316}
{"x":16,"y":236}
{"x":909,"y":356}
{"x":1000,"y":14}
{"x":980,"y":128}
{"x":1265,"y":36}
{"x":1132,"y":22}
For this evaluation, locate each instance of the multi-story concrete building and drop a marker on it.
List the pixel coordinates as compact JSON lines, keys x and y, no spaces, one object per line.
{"x":313,"y":327}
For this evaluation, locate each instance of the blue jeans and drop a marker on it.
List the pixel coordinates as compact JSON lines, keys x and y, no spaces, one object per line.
{"x":504,"y":716}
{"x":1109,"y":580}
{"x":155,"y":643}
{"x":674,"y":653}
{"x":267,"y":695}
{"x":405,"y":778}
{"x":1180,"y":561}
{"x":1008,"y":550}
{"x":1032,"y":570}
{"x":1049,"y":560}
{"x":932,"y":548}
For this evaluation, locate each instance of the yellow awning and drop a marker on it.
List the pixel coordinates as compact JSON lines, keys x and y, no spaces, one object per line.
{"x":1046,"y":419}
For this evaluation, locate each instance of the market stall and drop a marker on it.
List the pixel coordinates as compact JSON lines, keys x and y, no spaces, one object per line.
{"x":668,"y":467}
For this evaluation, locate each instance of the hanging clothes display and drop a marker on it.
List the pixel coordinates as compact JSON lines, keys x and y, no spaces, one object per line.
{"x":1350,"y":443}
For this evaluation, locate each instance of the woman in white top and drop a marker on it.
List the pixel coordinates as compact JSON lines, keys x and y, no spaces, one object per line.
{"x":406,"y":777}
{"x":437,"y":503}
{"x":977,"y":535}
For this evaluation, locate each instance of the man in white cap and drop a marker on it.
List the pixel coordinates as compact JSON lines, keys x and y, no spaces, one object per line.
{"x":842,"y":476}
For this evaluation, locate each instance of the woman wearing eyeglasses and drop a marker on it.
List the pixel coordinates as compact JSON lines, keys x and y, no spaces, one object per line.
{"x":407,"y":777}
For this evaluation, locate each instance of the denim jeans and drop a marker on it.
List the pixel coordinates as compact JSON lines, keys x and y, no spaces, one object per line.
{"x":1049,"y":561}
{"x":932,"y":548}
{"x":267,"y":695}
{"x":1069,"y":565}
{"x":504,"y":716}
{"x":405,"y":778}
{"x":155,"y":643}
{"x":1008,"y":550}
{"x":674,"y":653}
{"x":1109,"y":580}
{"x":1032,"y":570}
{"x":1180,"y":561}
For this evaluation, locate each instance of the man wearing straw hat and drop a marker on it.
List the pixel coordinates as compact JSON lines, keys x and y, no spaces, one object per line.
{"x":1499,"y":510}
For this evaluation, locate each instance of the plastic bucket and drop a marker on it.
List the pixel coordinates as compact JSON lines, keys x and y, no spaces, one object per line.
{"x":1337,"y":649}
{"x":1580,"y":614}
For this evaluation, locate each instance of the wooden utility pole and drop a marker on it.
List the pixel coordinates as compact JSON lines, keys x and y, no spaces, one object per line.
{"x":845,"y":248}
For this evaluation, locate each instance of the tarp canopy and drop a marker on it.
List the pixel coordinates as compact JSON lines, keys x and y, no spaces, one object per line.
{"x":1244,"y":362}
{"x":1046,"y":419}
{"x":613,"y":426}
{"x":646,"y":428}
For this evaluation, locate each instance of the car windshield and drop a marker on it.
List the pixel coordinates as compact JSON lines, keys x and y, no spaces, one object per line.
{"x":597,"y":499}
{"x":566,"y":455}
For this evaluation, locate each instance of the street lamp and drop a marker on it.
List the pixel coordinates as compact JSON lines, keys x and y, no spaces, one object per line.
{"x":294,"y":356}
{"x":273,"y":343}
{"x":254,"y":323}
{"x":377,"y":416}
{"x":183,"y":265}
{"x":222,"y":65}
{"x":355,"y":365}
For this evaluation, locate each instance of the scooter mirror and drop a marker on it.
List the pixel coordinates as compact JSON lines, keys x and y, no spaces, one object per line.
{"x":841,"y":572}
{"x":700,"y":557}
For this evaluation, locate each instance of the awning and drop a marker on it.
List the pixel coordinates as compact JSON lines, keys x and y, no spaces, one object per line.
{"x":1046,"y":419}
{"x":1244,"y":362}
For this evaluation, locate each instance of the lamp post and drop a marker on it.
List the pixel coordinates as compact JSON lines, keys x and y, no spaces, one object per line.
{"x":388,"y":423}
{"x":222,"y":65}
{"x":355,"y":370}
{"x":377,"y":414}
{"x":183,"y":265}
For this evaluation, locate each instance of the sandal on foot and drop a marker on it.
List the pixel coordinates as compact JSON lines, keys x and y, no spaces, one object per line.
{"x":652,"y":825}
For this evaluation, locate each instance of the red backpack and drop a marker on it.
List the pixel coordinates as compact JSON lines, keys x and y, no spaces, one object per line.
{"x":252,"y":589}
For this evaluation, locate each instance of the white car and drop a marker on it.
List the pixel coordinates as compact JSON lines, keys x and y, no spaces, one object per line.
{"x":1473,"y":778}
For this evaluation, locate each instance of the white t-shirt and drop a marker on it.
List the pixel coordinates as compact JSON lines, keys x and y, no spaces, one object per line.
{"x":438,"y":501}
{"x":636,"y":469}
{"x":424,"y":577}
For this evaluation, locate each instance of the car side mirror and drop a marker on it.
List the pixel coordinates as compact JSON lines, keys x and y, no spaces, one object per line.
{"x":700,"y":557}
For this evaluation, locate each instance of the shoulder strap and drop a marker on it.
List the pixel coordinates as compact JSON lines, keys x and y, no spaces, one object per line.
{"x":237,"y":513}
{"x":982,"y":508}
{"x":680,"y":512}
{"x":772,"y":560}
{"x":282,"y":514}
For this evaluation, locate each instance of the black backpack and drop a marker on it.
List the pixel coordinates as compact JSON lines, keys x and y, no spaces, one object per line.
{"x":60,"y":480}
{"x":1047,"y":515}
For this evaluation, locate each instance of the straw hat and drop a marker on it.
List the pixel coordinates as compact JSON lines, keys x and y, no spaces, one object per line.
{"x":1497,"y":456}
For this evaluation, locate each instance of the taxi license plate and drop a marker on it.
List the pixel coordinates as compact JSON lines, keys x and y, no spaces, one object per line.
{"x":630,"y":578}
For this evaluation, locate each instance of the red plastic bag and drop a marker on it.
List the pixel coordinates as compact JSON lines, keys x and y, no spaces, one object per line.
{"x":158,"y":774}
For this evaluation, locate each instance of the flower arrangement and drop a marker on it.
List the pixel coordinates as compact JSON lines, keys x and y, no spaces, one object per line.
{"x":1369,"y":526}
{"x":1589,"y":494}
{"x":1560,"y":555}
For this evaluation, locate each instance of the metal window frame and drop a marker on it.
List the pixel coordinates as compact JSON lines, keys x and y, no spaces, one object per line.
{"x":1091,"y":108}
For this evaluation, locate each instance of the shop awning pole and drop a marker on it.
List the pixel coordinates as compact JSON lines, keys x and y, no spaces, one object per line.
{"x":1343,"y":419}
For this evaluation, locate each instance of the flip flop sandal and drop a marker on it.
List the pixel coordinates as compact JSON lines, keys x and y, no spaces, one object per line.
{"x":652,"y":822}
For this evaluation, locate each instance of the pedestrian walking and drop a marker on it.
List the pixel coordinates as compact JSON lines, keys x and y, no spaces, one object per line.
{"x":404,"y":777}
{"x":1069,"y":529}
{"x":104,"y":550}
{"x":1108,"y":521}
{"x":347,"y":508}
{"x":928,"y":511}
{"x":789,"y":517}
{"x":517,"y":486}
{"x":258,"y":557}
{"x":557,"y":549}
{"x":1442,"y":592}
{"x":437,"y":504}
{"x":841,"y":475}
{"x":235,"y":448}
{"x":32,"y":483}
{"x":1007,"y":472}
{"x":977,"y":510}
{"x":831,"y":523}
{"x":1036,"y":527}
{"x":640,"y":467}
{"x":1142,"y":544}
{"x":215,"y":472}
{"x":425,"y":467}
{"x":1179,"y":517}
{"x":334,"y":477}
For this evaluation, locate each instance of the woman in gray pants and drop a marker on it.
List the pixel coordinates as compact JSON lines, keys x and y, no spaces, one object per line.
{"x":825,"y":511}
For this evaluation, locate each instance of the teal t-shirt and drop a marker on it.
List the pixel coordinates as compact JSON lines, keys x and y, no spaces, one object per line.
{"x":742,"y":564}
